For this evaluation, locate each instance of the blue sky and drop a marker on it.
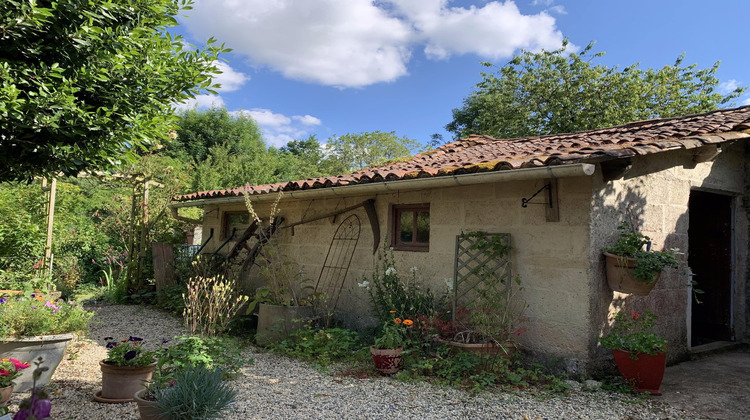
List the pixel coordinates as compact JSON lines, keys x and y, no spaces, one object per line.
{"x":332,"y":67}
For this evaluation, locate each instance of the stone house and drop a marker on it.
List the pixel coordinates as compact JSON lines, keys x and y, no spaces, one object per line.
{"x":684,"y":181}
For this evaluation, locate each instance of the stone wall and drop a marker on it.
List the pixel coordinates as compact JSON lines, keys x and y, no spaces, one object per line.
{"x":551,"y":258}
{"x":656,"y":192}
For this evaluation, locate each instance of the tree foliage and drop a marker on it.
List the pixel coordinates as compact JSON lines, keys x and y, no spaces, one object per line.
{"x":549,"y":92}
{"x":357,"y":151}
{"x":86,"y":83}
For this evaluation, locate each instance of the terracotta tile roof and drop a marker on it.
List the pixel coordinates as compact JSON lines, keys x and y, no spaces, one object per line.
{"x":482,"y":153}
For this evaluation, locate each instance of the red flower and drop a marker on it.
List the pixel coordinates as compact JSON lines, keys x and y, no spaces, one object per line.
{"x":635,"y":315}
{"x":397,"y":320}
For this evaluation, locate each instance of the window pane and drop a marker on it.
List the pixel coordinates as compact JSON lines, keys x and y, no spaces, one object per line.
{"x":238,"y":219}
{"x":406,"y":222}
{"x":423,"y":227}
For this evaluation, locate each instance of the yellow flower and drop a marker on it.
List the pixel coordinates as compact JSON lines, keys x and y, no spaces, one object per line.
{"x":393,"y":312}
{"x":397,"y":320}
{"x":408,"y":322}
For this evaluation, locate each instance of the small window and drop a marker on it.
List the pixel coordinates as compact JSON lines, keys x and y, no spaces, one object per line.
{"x":235,"y":220}
{"x":410,"y":227}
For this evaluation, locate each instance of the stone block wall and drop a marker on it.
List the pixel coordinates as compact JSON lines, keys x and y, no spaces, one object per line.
{"x":656,"y":192}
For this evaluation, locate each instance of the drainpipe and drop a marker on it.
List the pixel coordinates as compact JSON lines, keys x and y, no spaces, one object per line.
{"x":561,"y":171}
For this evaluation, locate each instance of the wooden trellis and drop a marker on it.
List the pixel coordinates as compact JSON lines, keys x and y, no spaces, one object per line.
{"x":479,"y":257}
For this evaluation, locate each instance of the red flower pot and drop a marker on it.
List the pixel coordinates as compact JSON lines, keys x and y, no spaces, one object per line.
{"x":645,"y":372}
{"x":387,"y":361}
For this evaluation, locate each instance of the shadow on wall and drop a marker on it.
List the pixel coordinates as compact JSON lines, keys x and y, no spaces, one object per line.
{"x":636,"y":199}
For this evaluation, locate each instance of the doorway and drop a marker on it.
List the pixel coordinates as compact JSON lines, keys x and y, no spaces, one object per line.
{"x":710,"y":258}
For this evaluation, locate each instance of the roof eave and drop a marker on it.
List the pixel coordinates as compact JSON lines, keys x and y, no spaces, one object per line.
{"x":558,"y":171}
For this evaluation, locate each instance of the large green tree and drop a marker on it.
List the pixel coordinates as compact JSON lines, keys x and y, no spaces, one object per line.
{"x":356,"y":151}
{"x":556,"y":91}
{"x":85,"y":84}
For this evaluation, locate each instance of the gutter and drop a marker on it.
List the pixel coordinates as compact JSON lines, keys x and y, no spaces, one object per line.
{"x":560,"y":171}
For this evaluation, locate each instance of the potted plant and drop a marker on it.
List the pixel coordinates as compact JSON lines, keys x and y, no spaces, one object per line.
{"x":490,"y":324}
{"x":632,"y":269}
{"x":38,"y":405}
{"x":193,"y":392}
{"x":35,"y":327}
{"x":10,"y":369}
{"x":640,"y":354}
{"x":127,"y":366}
{"x":387,"y":353}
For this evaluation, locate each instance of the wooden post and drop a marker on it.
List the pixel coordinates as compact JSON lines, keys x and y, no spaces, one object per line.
{"x":163,"y":254}
{"x":51,"y":195}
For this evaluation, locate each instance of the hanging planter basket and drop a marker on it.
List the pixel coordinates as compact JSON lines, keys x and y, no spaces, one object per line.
{"x":620,"y":276}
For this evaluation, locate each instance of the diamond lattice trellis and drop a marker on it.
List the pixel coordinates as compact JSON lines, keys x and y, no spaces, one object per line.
{"x":478,"y":255}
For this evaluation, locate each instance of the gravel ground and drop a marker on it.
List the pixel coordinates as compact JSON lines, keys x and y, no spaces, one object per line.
{"x":276,"y":387}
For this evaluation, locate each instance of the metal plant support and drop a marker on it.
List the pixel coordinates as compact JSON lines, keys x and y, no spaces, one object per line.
{"x":479,"y":255}
{"x":338,"y":260}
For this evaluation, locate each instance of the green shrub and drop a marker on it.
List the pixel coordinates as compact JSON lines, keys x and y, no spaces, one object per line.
{"x":31,"y":316}
{"x":322,"y":346}
{"x":197,"y":393}
{"x":207,"y":352}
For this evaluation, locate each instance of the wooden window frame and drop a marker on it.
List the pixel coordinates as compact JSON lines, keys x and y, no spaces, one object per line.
{"x":225,"y":222}
{"x":395,"y":227}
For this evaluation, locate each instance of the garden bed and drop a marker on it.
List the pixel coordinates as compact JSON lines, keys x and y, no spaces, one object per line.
{"x":279,"y":387}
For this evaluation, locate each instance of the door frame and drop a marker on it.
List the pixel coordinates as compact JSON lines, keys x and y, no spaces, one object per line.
{"x":733,"y":197}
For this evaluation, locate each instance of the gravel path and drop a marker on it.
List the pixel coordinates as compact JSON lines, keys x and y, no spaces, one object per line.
{"x":277,"y":387}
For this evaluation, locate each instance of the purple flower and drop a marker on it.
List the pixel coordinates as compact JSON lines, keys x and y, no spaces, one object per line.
{"x":164,"y":341}
{"x":108,"y":338}
{"x":135,"y":339}
{"x":41,"y":408}
{"x":52,"y":305}
{"x":129,"y":355}
{"x":112,"y":344}
{"x":3,"y":300}
{"x":33,"y":295}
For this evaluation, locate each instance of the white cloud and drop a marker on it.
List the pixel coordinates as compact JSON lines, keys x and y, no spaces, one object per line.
{"x":493,"y":31}
{"x":200,"y":102}
{"x":354,"y":43}
{"x":279,"y":129}
{"x":746,"y":101}
{"x":307,"y":120}
{"x":229,"y":78}
{"x":728,"y":87}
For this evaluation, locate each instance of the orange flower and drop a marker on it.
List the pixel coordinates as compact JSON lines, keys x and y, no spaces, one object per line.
{"x":397,"y":320}
{"x":408,"y":322}
{"x":393,"y":312}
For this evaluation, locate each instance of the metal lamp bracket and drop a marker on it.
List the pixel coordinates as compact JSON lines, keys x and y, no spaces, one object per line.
{"x":553,"y":211}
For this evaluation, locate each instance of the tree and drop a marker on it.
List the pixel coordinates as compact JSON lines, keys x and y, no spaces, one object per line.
{"x":199,"y":131}
{"x":85,"y":84}
{"x":357,"y":151}
{"x":556,"y":92}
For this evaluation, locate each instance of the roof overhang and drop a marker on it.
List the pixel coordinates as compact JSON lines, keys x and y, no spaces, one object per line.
{"x":557,"y":171}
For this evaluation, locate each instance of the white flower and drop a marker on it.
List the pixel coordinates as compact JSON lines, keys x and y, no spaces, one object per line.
{"x":390,"y":271}
{"x":364,"y":284}
{"x":413,"y":269}
{"x":449,"y":283}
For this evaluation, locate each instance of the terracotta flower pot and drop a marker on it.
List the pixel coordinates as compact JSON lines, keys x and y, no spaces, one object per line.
{"x":120,"y":383}
{"x":645,"y":372}
{"x":387,"y":361}
{"x":5,"y":394}
{"x":620,"y":276}
{"x":147,"y":409}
